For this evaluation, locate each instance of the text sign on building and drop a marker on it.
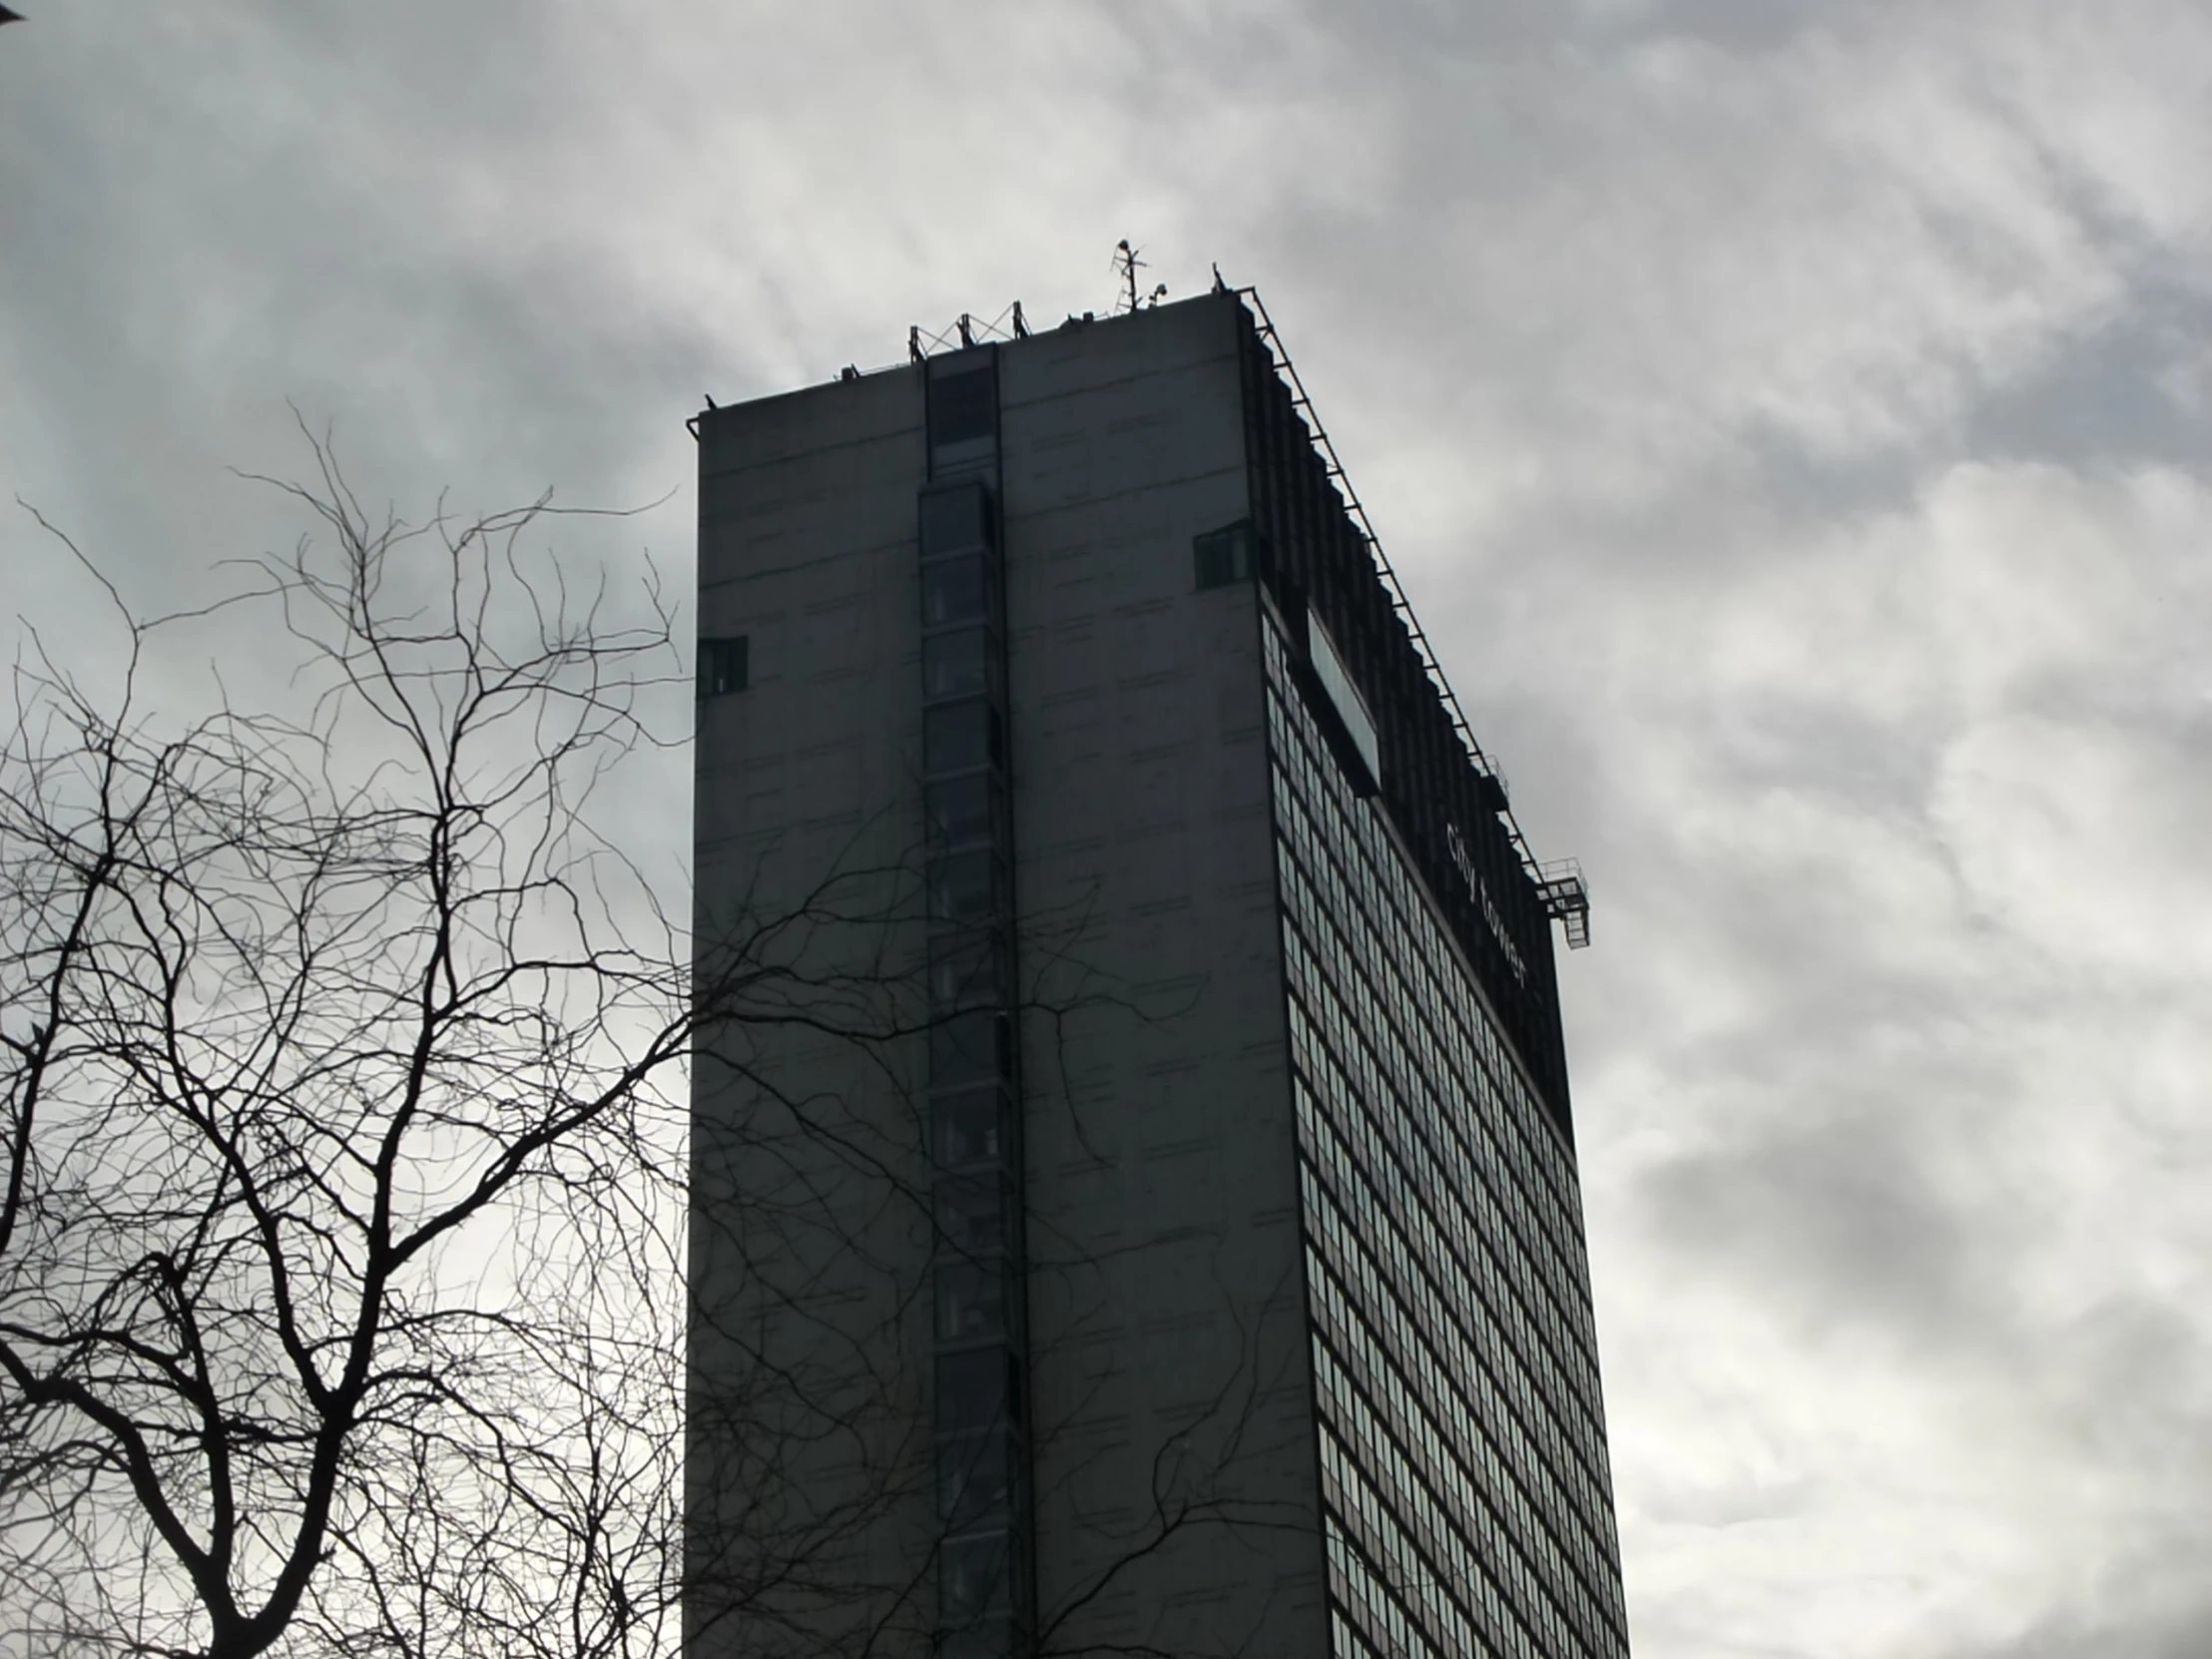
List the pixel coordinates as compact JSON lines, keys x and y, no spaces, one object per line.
{"x":1480,"y":890}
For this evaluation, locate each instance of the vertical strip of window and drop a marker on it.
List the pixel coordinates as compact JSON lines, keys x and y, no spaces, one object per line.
{"x":980,"y":1312}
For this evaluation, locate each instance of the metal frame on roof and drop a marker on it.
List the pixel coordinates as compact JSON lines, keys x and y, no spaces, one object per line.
{"x":1560,"y":885}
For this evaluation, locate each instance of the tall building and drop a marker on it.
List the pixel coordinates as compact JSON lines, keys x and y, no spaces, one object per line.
{"x":1136,"y":1209}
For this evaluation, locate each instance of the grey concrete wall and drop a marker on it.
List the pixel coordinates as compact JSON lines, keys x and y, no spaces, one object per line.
{"x":809,"y":1476}
{"x":1177,"y":1508}
{"x":1176,"y":1497}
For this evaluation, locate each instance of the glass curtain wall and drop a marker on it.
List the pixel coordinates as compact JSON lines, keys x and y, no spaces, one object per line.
{"x":1466,"y":1496}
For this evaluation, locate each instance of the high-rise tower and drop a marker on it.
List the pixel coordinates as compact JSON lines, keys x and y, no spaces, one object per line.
{"x":1136,"y":1210}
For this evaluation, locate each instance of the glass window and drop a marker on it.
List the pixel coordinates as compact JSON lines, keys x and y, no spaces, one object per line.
{"x":971,"y":1480}
{"x":976,"y":1387}
{"x":965,"y":971}
{"x":957,"y":589}
{"x":957,"y":736}
{"x":723,"y":665}
{"x":971,"y":1301}
{"x":963,"y":404}
{"x":1224,"y":556}
{"x":964,"y":886}
{"x":955,"y":664}
{"x":968,"y":1048}
{"x":972,"y":1218}
{"x":961,"y":810}
{"x":973,"y":1578}
{"x":968,"y":1127}
{"x":955,"y":519}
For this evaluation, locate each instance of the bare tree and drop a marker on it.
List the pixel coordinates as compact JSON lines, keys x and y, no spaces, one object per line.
{"x":346,"y":1182}
{"x":342,"y":1203}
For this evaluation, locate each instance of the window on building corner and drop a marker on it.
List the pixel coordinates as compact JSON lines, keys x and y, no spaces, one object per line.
{"x":723,"y":665}
{"x":1224,"y":556}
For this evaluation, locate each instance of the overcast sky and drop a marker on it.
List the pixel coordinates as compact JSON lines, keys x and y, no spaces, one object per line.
{"x":1791,"y":423}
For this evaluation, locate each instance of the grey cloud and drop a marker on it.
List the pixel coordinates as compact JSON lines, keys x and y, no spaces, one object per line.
{"x":2138,"y":388}
{"x":2150,"y":1604}
{"x":1835,"y":1223}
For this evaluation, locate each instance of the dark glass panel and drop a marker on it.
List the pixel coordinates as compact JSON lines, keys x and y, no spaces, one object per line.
{"x":1224,"y":556}
{"x":974,"y":1584}
{"x":975,"y":1390}
{"x":958,"y":737}
{"x":955,"y":589}
{"x":964,"y":405}
{"x":968,"y":1048}
{"x":971,"y":1301}
{"x":964,"y":886}
{"x":724,"y":666}
{"x":991,"y":1637}
{"x":966,"y":970}
{"x":955,"y":519}
{"x":971,"y":1480}
{"x":957,"y":663}
{"x":969,"y":1127}
{"x":971,"y":1215}
{"x":961,"y":810}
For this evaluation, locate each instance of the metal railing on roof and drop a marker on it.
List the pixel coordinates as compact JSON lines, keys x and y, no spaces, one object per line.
{"x":966,"y":330}
{"x":1560,"y":886}
{"x":1565,"y":895}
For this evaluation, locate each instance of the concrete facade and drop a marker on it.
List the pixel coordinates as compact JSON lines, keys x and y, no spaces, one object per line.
{"x":1175,"y":1498}
{"x":1171,"y":1416}
{"x":808,"y":1476}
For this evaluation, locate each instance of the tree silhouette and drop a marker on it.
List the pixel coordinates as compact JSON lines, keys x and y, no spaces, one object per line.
{"x":348,"y":1193}
{"x":342,"y":1128}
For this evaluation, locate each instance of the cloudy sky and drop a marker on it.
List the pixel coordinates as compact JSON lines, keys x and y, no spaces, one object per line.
{"x":1791,"y":421}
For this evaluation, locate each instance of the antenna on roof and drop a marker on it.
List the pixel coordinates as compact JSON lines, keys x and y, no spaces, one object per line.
{"x":1126,"y":267}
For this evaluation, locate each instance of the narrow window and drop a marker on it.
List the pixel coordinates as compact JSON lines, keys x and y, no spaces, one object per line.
{"x":965,"y":972}
{"x":972,"y":1487}
{"x":955,"y":589}
{"x":972,"y":1213}
{"x":955,"y":664}
{"x":971,"y":1302}
{"x":973,"y":1579}
{"x":963,"y":404}
{"x":1224,"y":556}
{"x":969,"y":1048}
{"x":957,"y":736}
{"x":972,"y":1388}
{"x":723,"y":665}
{"x":966,"y":888}
{"x":960,"y":810}
{"x":967,"y":1126}
{"x":955,"y":519}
